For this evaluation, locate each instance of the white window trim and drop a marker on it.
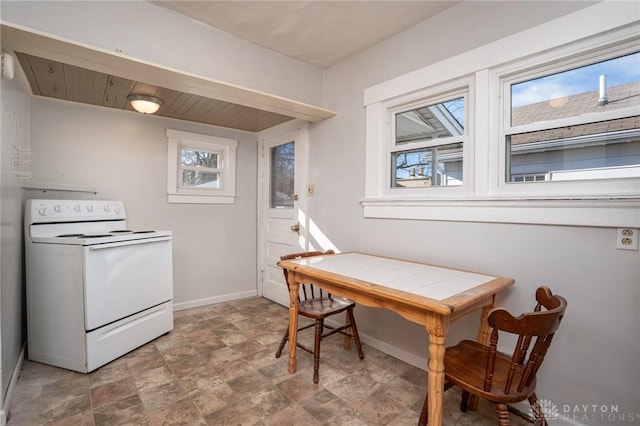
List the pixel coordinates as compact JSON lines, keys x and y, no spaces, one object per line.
{"x":458,"y":88}
{"x":227,"y":148}
{"x":484,"y":197}
{"x":543,"y":65}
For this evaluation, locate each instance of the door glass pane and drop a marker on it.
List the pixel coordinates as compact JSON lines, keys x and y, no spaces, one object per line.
{"x":415,"y":168}
{"x":282,"y":176}
{"x":200,"y":179}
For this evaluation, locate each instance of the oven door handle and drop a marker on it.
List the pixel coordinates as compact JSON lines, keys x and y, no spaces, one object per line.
{"x":128,"y":243}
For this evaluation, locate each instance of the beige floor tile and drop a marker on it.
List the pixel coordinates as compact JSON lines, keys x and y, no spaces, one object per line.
{"x":218,"y":367}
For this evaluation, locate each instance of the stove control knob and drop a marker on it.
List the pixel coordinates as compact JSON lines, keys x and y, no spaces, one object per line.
{"x":107,"y":208}
{"x":78,"y":208}
{"x":90,"y":208}
{"x":42,"y":211}
{"x":58,"y":208}
{"x":118,"y":210}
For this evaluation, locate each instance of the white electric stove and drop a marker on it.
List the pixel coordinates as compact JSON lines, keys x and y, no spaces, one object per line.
{"x":95,"y":288}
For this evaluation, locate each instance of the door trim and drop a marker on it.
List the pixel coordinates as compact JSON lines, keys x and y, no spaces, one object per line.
{"x":295,"y":130}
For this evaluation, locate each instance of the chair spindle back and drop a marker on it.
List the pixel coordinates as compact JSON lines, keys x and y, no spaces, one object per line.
{"x":307,"y":291}
{"x":540,"y":325}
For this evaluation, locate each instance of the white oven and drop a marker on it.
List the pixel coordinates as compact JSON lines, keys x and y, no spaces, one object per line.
{"x":95,"y":289}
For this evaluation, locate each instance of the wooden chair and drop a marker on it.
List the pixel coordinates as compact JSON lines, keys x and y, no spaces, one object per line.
{"x":317,"y":304}
{"x":503,"y":379}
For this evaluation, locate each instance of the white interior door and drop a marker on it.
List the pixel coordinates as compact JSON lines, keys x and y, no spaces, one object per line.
{"x":283,"y":176}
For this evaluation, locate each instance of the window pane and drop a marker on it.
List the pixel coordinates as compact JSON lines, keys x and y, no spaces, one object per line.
{"x":197,"y":158}
{"x":601,"y":149}
{"x":441,"y":120}
{"x":578,"y":91}
{"x":415,"y":168}
{"x":575,"y":153}
{"x":282,"y":176}
{"x":200,"y":179}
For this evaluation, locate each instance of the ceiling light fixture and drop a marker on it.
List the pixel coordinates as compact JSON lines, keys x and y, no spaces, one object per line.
{"x":145,"y":104}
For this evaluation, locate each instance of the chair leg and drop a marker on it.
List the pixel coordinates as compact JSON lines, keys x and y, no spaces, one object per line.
{"x":537,"y":410}
{"x":316,"y":350}
{"x":282,"y":343}
{"x":503,"y":414}
{"x":464,"y":402}
{"x":347,"y":337}
{"x":424,"y":415}
{"x":354,"y":332}
{"x":473,"y":403}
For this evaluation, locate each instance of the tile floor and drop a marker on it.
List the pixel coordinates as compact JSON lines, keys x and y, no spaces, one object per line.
{"x":217,"y":367}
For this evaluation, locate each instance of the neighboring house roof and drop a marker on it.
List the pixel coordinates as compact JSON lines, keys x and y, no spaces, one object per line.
{"x":622,"y":96}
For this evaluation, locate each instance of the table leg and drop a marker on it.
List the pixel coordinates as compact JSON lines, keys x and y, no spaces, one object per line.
{"x":437,"y":326}
{"x":294,"y":289}
{"x":484,"y":331}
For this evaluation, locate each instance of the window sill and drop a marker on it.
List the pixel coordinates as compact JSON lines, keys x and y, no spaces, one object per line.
{"x":574,"y":212}
{"x":201,"y":199}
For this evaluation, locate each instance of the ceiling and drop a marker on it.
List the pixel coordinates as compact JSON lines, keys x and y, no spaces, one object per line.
{"x":63,"y":81}
{"x":320,"y":33}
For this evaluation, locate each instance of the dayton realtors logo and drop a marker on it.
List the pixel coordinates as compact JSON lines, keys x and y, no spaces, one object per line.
{"x":548,"y":408}
{"x":599,"y":414}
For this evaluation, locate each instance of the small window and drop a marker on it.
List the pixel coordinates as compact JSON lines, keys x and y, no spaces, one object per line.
{"x":201,"y":168}
{"x":428,"y":145}
{"x":581,"y":123}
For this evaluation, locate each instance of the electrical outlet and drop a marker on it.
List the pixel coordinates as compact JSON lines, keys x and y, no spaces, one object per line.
{"x":627,"y":239}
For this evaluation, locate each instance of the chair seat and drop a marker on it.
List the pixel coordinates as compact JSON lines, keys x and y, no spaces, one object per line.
{"x":465,"y":367}
{"x":322,"y":308}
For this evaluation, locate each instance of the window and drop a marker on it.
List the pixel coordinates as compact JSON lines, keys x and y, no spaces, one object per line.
{"x":428,"y":145}
{"x":201,"y":168}
{"x":510,"y":132}
{"x":576,"y":124}
{"x":422,"y":142}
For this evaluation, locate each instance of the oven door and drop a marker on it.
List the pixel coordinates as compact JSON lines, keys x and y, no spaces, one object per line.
{"x":123,"y":278}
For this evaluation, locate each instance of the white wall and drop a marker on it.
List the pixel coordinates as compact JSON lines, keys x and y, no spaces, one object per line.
{"x":124,"y":156}
{"x":144,"y":31}
{"x":592,"y":360}
{"x":15,"y":130}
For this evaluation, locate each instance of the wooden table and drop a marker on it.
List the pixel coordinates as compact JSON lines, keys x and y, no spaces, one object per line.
{"x":430,"y":295}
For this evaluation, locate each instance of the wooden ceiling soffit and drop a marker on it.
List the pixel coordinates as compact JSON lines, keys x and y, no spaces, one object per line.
{"x":64,"y":70}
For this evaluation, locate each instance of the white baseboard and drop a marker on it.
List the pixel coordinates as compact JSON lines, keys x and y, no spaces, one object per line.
{"x":213,"y":300}
{"x":4,"y":413}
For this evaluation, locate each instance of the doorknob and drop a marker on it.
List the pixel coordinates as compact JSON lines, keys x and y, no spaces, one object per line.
{"x":296,"y":227}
